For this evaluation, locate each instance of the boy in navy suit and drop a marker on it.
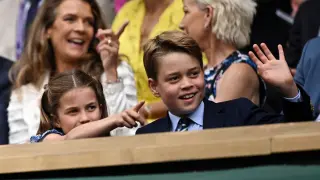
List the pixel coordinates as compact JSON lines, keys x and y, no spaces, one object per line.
{"x":173,"y":63}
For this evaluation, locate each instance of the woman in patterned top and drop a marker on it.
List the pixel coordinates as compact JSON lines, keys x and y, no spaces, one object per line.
{"x":221,"y":27}
{"x":73,"y":106}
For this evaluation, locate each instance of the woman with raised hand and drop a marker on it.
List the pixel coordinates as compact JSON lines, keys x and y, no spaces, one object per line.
{"x":67,"y":34}
{"x":221,"y":28}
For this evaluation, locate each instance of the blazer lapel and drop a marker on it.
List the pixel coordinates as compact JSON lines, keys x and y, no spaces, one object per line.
{"x":214,"y":115}
{"x":164,"y":124}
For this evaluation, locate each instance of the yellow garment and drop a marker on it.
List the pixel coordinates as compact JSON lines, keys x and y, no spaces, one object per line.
{"x":134,"y":11}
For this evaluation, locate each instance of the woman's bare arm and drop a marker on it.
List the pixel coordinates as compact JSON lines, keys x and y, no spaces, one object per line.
{"x":240,"y":80}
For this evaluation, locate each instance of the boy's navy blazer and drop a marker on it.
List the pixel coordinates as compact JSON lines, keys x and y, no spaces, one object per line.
{"x":239,"y":112}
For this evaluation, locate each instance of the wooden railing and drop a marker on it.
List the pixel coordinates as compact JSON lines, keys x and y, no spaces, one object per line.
{"x":162,"y":147}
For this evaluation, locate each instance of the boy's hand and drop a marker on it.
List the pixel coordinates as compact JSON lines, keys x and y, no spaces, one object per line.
{"x":130,"y":117}
{"x":273,"y":71}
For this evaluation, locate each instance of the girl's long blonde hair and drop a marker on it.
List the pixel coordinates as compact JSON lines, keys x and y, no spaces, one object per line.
{"x":38,"y":57}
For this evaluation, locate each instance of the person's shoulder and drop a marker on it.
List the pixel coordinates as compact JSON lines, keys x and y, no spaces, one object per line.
{"x":241,"y":69}
{"x":152,"y":127}
{"x":51,"y":134}
{"x":239,"y":104}
{"x":315,"y":42}
{"x":241,"y":73}
{"x":24,"y":91}
{"x":311,"y":49}
{"x":244,"y":59}
{"x":24,"y":95}
{"x":237,"y":110}
{"x":20,"y":93}
{"x":54,"y":137}
{"x":237,"y":101}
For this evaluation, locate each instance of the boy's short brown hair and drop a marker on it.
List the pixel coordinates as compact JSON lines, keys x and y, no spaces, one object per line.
{"x":165,"y":43}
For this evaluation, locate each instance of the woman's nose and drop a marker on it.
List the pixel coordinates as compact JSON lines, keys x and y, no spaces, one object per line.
{"x":79,"y":26}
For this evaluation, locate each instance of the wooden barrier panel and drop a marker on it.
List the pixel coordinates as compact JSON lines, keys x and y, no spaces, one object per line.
{"x":163,"y":147}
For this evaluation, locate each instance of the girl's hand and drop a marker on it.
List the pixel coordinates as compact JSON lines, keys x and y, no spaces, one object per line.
{"x":273,"y":71}
{"x":130,"y":117}
{"x":108,"y":49}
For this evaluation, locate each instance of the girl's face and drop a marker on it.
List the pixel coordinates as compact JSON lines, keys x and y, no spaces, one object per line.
{"x":72,"y":30}
{"x":78,"y":106}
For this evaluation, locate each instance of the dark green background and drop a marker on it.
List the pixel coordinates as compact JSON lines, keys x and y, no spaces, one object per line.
{"x":279,"y":172}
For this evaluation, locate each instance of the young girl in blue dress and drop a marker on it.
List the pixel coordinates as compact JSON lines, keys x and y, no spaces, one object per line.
{"x":73,"y":106}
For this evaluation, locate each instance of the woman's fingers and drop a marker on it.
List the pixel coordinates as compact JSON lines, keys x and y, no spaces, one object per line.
{"x":108,"y":42}
{"x":267,"y":52}
{"x":122,"y":28}
{"x":102,"y":33}
{"x":112,"y":50}
{"x":255,"y":59}
{"x":109,"y":45}
{"x":260,"y":54}
{"x":281,"y":53}
{"x":105,"y":33}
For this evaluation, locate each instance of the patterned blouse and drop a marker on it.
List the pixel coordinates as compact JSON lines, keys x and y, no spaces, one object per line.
{"x":214,"y":74}
{"x":40,"y":137}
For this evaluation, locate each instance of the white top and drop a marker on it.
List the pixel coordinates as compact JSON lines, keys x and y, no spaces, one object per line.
{"x":9,"y":10}
{"x":24,"y":111}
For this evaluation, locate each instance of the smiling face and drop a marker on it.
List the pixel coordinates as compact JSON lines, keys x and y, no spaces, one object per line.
{"x":77,"y":106}
{"x":72,"y":30}
{"x":180,"y":83}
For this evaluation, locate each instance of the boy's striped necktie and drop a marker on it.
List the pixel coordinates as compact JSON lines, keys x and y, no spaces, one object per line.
{"x":183,"y":124}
